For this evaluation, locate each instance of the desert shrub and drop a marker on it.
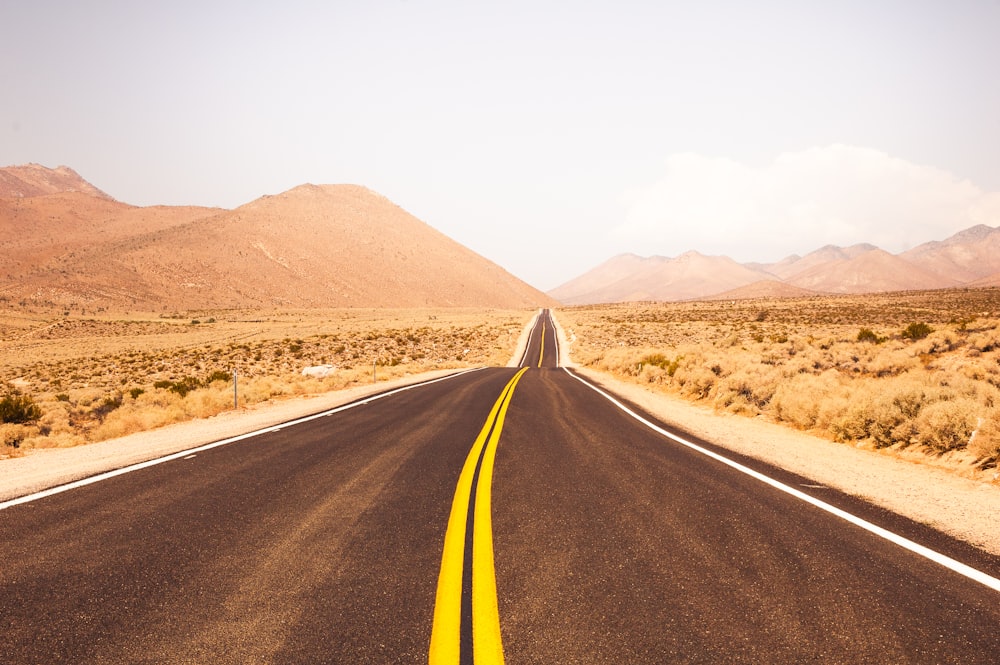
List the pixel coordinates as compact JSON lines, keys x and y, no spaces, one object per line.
{"x":868,"y":335}
{"x":917,"y":331}
{"x":18,"y":408}
{"x":799,"y":400}
{"x":11,"y":435}
{"x":882,"y":411}
{"x":107,"y":405}
{"x":985,"y":444}
{"x":749,"y":389}
{"x":219,"y":375}
{"x":985,"y":342}
{"x":948,"y":425}
{"x":889,"y":360}
{"x":695,"y":380}
{"x":662,"y":361}
{"x":182,"y":387}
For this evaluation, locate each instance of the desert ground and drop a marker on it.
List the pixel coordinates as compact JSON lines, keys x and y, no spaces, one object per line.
{"x":96,"y":378}
{"x":82,"y":373}
{"x":916,"y":374}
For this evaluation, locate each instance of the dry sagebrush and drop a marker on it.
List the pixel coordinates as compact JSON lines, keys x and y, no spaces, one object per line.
{"x":99,"y":379}
{"x":940,"y":392}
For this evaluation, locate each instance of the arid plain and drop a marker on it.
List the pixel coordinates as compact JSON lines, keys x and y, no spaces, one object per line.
{"x":96,"y":378}
{"x":916,"y":374}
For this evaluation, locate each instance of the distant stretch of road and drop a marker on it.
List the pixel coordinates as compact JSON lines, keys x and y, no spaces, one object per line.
{"x":498,"y":515}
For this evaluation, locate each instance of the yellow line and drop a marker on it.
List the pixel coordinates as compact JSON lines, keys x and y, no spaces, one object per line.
{"x":446,"y":632}
{"x":541,"y":349}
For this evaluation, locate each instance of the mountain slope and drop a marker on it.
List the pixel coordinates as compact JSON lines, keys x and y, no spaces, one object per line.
{"x":312,"y":246}
{"x":690,"y":275}
{"x":828,"y":254}
{"x":43,"y":232}
{"x":872,"y":271}
{"x":609,"y":272}
{"x":36,"y":180}
{"x":967,"y":256}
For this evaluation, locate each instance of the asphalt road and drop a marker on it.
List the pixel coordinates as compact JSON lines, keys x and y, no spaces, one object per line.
{"x":372,"y":535}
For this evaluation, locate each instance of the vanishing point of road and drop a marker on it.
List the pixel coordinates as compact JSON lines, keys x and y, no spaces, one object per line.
{"x":512,"y":515}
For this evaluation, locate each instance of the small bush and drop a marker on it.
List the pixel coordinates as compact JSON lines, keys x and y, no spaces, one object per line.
{"x":181,"y":387}
{"x":985,"y":444}
{"x":219,"y":375}
{"x":868,"y":335}
{"x":947,"y":425}
{"x":107,"y":405}
{"x":18,"y":408}
{"x":661,"y":361}
{"x":917,"y":331}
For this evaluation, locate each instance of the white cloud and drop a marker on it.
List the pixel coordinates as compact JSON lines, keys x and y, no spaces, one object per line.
{"x":802,"y":200}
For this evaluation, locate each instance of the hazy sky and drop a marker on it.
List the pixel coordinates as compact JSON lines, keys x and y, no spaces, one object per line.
{"x":545,"y":136}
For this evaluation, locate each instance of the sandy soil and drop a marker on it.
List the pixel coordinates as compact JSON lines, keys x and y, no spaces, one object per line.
{"x":962,"y":507}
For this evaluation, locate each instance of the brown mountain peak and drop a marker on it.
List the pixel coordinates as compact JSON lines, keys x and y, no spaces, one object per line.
{"x":31,"y":180}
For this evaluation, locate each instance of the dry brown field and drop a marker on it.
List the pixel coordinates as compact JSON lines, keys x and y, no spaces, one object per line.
{"x":99,"y":377}
{"x":916,"y":373}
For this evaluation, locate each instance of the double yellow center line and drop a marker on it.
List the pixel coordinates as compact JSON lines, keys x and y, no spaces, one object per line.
{"x":541,"y":347}
{"x":466,"y":617}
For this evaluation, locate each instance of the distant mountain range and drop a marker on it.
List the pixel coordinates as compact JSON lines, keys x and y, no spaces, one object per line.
{"x":969,"y":258}
{"x":65,"y":243}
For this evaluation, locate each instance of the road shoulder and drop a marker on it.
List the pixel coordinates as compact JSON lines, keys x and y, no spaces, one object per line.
{"x":43,"y":468}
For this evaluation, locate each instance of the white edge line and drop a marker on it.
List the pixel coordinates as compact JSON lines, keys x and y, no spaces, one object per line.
{"x":906,"y":543}
{"x":208,"y":446}
{"x":527,"y":343}
{"x":555,"y":338}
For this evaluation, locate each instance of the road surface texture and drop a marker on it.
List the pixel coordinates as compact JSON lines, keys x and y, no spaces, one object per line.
{"x":502,"y":514}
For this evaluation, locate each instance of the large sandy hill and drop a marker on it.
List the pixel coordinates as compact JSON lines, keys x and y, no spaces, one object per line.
{"x":45,"y":233}
{"x":312,"y":246}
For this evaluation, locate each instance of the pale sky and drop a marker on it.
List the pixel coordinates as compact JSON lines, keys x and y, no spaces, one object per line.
{"x":545,"y":136}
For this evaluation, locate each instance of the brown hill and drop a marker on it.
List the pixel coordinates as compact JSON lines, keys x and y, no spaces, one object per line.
{"x":827,"y":255}
{"x":690,"y":275}
{"x":44,"y":232}
{"x":766,"y":288}
{"x":313,"y":246}
{"x":967,"y":256}
{"x":871,"y":271}
{"x":36,"y":180}
{"x":990,"y":280}
{"x":609,"y":272}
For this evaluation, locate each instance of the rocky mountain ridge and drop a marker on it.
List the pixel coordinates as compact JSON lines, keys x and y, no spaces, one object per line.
{"x":970,"y":258}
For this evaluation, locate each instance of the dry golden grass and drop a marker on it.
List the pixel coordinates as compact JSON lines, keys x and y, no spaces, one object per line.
{"x":102,"y":377}
{"x":806,"y":362}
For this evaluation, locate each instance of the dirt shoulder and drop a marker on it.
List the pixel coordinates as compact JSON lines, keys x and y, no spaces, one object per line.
{"x":962,"y":507}
{"x":43,"y":468}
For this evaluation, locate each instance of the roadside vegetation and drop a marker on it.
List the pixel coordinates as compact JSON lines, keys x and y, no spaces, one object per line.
{"x":68,"y":380}
{"x":910,"y":372}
